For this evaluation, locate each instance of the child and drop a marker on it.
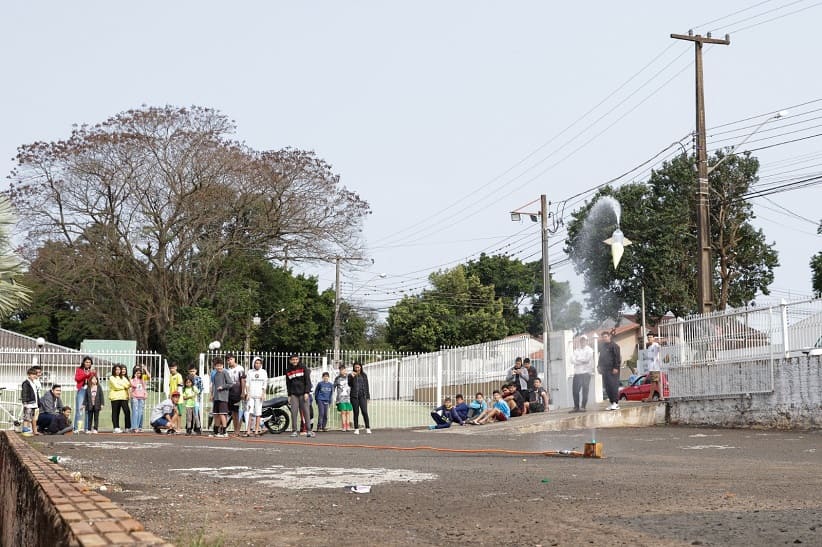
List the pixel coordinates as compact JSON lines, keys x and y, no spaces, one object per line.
{"x":198,"y":383}
{"x":138,"y":399}
{"x":190,"y":394}
{"x":539,"y":398}
{"x":322,"y":394}
{"x":460,"y":412}
{"x":175,"y":383}
{"x":499,"y":412}
{"x":93,"y":404}
{"x":256,"y":383}
{"x":342,"y":394}
{"x":30,"y":397}
{"x":477,"y":406}
{"x":442,"y":415}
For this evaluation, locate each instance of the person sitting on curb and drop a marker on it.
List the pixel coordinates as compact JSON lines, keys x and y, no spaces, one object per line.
{"x":50,"y":407}
{"x":499,"y":412}
{"x":165,"y":415}
{"x":61,"y":423}
{"x":516,"y":402}
{"x":442,"y":415}
{"x":539,"y":398}
{"x":460,"y":411}
{"x":477,"y":406}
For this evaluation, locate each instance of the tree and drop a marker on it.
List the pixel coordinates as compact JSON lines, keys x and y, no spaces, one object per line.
{"x":816,"y":269}
{"x":139,"y":216}
{"x":659,"y":218}
{"x":457,"y":311}
{"x":12,"y":294}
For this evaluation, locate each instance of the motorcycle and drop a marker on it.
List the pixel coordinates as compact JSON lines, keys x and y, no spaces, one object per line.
{"x":275,"y":416}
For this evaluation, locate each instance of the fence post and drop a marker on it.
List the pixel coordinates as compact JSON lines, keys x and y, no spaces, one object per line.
{"x":680,"y":333}
{"x":783,"y":306}
{"x":439,"y":379}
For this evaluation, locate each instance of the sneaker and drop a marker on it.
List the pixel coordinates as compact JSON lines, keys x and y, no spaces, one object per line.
{"x":76,"y":432}
{"x":157,"y":430}
{"x":367,"y":431}
{"x":616,"y":406}
{"x":117,"y":430}
{"x":222,"y":435}
{"x":94,"y":432}
{"x":574,"y":410}
{"x":170,"y":432}
{"x":295,"y":434}
{"x":310,"y":434}
{"x":432,"y":426}
{"x":356,"y":431}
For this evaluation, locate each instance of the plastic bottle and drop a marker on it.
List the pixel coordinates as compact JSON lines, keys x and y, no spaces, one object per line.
{"x":565,"y":452}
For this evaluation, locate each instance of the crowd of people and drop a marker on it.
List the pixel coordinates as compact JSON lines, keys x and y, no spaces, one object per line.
{"x":521,"y":394}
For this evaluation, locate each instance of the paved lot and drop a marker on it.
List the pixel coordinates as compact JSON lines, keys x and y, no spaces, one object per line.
{"x":656,"y":486}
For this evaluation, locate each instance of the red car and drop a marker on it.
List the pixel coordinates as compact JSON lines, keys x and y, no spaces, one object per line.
{"x":639,"y":390}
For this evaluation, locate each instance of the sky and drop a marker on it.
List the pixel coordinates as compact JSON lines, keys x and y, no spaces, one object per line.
{"x":446,"y":116}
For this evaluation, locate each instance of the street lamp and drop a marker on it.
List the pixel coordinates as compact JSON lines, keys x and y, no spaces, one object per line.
{"x":40,"y":342}
{"x":779,"y":115}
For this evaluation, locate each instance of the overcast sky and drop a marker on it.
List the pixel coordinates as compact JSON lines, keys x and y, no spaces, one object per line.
{"x":445,"y":116}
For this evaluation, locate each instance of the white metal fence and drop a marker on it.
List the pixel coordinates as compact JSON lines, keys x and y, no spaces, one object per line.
{"x":405,"y":387}
{"x":733,"y":352}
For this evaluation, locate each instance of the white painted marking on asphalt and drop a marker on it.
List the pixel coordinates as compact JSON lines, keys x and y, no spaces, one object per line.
{"x":302,"y":478}
{"x":704,"y":435}
{"x":704,"y":446}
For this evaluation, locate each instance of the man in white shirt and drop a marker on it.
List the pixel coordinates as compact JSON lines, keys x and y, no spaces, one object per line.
{"x":583,"y":361}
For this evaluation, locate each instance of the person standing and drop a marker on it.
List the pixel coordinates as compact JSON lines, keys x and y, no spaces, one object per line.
{"x":138,"y":399}
{"x":654,"y":374}
{"x":342,"y":394}
{"x":519,"y":376}
{"x":29,"y":397}
{"x":220,"y":384}
{"x":298,"y":386}
{"x":237,"y":393}
{"x":583,"y":361}
{"x":609,"y":363}
{"x":360,"y":394}
{"x":175,"y":383}
{"x":322,"y":395}
{"x":118,"y":388}
{"x":81,"y":376}
{"x":256,"y":384}
{"x":94,"y":403}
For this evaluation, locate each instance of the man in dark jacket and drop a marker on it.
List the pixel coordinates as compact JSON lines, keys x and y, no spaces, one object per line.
{"x":50,"y":407}
{"x":298,"y":386}
{"x":609,"y":363}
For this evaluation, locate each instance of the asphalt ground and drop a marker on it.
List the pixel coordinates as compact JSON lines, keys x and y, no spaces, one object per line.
{"x":655,"y":486}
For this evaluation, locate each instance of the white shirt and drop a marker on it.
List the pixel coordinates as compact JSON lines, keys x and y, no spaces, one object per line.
{"x":583,"y":360}
{"x":652,"y":356}
{"x":256,"y":382}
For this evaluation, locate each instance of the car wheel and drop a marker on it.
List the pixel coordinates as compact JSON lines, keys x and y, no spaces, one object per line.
{"x":623,"y":397}
{"x":656,"y":396}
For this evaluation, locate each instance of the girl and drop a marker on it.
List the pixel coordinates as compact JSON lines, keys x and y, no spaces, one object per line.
{"x":81,"y":376}
{"x":358,"y":382}
{"x":118,"y":388}
{"x":138,"y":398}
{"x":190,"y":394}
{"x":93,"y":402}
{"x":342,"y":394}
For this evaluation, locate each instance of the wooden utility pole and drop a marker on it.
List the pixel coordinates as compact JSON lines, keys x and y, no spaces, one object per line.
{"x":705,"y":286}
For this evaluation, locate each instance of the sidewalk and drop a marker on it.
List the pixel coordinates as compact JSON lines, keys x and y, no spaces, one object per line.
{"x":630,"y":414}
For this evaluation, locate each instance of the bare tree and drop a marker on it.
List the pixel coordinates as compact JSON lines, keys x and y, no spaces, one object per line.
{"x":140,"y":215}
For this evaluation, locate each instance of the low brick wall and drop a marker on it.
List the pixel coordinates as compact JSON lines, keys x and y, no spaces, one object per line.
{"x":41,"y":505}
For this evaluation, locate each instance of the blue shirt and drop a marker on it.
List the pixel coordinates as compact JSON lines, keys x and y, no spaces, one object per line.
{"x":503,"y":407}
{"x":323,"y":392}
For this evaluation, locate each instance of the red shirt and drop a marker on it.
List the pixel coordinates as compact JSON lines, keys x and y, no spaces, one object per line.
{"x":81,"y":376}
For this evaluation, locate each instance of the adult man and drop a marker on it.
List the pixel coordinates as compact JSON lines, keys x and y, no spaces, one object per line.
{"x":518,"y":376}
{"x":654,"y":376}
{"x":298,"y":386}
{"x":50,"y":406}
{"x":532,"y":375}
{"x":60,"y":424}
{"x":220,"y":385}
{"x":583,"y":361}
{"x":237,"y":393}
{"x":165,"y":415}
{"x":609,"y":363}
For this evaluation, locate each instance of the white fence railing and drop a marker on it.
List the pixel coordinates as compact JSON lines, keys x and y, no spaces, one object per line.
{"x":733,"y":352}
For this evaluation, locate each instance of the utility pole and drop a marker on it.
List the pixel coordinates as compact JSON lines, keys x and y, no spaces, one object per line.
{"x":546,"y":290}
{"x":704,"y":270}
{"x":337,"y":315}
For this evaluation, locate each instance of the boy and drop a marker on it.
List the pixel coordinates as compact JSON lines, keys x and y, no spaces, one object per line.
{"x":175,"y":383}
{"x":61,"y":424}
{"x":198,"y":383}
{"x":342,"y":394}
{"x":539,"y":398}
{"x":516,"y":402}
{"x":165,"y":416}
{"x":298,"y":387}
{"x":499,"y":412}
{"x":322,"y":394}
{"x":255,"y":383}
{"x":220,"y":385}
{"x":442,"y":415}
{"x":460,"y":412}
{"x":477,"y":406}
{"x":30,"y":397}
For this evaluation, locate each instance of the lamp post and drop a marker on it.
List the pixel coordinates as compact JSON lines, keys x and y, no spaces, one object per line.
{"x":546,"y":273}
{"x":40,"y":342}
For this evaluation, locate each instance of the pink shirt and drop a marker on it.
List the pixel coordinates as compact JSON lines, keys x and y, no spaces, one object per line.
{"x":138,"y":388}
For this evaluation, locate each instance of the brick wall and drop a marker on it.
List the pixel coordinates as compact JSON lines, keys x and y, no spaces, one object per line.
{"x":41,"y":505}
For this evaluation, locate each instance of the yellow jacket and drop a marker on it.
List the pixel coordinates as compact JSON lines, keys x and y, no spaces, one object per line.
{"x":118,"y":387}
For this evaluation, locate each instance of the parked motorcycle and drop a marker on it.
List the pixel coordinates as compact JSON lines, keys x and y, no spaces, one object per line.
{"x":275,"y":416}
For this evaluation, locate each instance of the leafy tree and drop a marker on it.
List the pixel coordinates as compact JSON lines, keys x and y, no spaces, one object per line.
{"x":191,"y":334}
{"x":139,"y":216}
{"x":816,"y":269}
{"x":12,"y":294}
{"x":659,"y":218}
{"x":458,"y":310}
